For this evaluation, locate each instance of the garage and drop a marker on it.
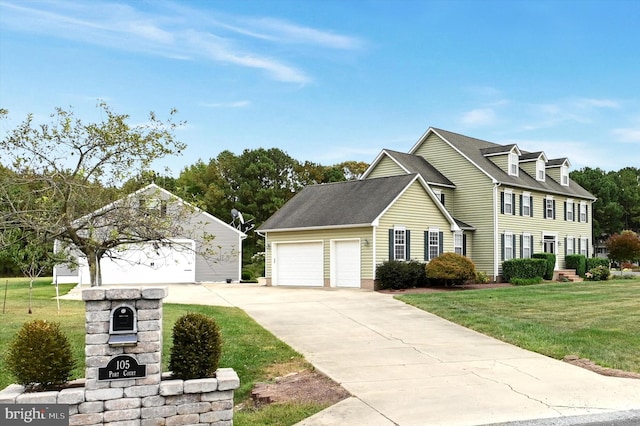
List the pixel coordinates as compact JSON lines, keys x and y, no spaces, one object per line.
{"x":151,"y":263}
{"x":345,"y":263}
{"x":298,"y":264}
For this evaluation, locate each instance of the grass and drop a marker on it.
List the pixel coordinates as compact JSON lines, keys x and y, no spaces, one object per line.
{"x":254,"y":353}
{"x":595,"y":320}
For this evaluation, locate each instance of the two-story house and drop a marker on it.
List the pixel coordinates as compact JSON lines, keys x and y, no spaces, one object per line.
{"x":450,"y":193}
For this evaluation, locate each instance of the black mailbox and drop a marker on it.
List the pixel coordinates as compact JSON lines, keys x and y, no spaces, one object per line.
{"x":123,"y":326}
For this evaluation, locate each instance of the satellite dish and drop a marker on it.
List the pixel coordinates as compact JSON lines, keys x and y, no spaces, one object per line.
{"x":237,"y":215}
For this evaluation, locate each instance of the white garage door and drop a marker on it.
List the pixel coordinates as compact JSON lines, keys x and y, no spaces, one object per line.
{"x":346,"y":263}
{"x":299,"y":264}
{"x":151,"y":263}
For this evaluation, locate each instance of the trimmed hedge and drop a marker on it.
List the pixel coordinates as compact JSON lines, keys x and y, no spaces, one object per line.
{"x":594,"y":262}
{"x":527,"y":281}
{"x":551,"y":263}
{"x":197,"y":346}
{"x":398,"y":274}
{"x":577,"y":262}
{"x":450,"y":269}
{"x":523,"y":269}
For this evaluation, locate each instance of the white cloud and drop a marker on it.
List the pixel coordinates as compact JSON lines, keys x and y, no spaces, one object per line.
{"x":479,"y":117}
{"x":627,"y":135}
{"x":176,"y":32}
{"x":235,"y":104}
{"x":596,"y":103}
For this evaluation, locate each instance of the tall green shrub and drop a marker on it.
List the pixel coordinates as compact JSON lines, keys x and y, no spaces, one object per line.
{"x":577,"y":262}
{"x":594,"y":262}
{"x":523,"y":269}
{"x":551,"y":263}
{"x":40,"y":356}
{"x":196,"y":347}
{"x":397,"y":274}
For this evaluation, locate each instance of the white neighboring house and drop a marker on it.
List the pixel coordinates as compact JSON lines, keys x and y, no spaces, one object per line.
{"x":181,"y":261}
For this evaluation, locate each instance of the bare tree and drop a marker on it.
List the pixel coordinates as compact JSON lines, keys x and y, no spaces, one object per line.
{"x":61,"y":182}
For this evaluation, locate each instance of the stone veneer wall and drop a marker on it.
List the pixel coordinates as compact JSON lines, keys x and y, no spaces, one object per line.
{"x":155,"y":400}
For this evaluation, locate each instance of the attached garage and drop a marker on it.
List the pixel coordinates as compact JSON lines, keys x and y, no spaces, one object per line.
{"x":298,"y":264}
{"x":345,"y":263}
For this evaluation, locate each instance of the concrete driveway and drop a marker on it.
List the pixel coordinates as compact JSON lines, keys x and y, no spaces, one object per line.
{"x":405,"y":366}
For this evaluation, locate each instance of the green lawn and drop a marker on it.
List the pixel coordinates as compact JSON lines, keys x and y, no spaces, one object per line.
{"x":254,"y":353}
{"x":595,"y":320}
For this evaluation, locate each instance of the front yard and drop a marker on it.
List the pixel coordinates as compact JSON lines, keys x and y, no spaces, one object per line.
{"x":595,"y":320}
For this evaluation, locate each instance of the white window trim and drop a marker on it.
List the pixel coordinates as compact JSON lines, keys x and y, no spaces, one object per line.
{"x":564,"y":175}
{"x":526,"y":202}
{"x":514,"y":165}
{"x":458,"y":239}
{"x":396,"y":245}
{"x":508,"y":195}
{"x":570,"y":209}
{"x":509,"y":252}
{"x":584,"y":245}
{"x":548,"y":199}
{"x":526,"y":247}
{"x":540,"y":170}
{"x":583,"y":211}
{"x":570,"y":245}
{"x":436,"y":246}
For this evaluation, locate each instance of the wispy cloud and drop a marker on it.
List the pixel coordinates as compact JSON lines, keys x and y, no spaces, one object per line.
{"x":479,"y":117}
{"x":235,"y":104}
{"x":627,"y":135}
{"x":171,"y":31}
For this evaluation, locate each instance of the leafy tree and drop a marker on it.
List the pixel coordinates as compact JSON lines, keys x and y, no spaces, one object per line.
{"x":65,"y":176}
{"x":624,"y":246}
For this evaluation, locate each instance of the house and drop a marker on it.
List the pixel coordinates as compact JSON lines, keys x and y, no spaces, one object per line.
{"x":450,"y":193}
{"x":202,"y":249}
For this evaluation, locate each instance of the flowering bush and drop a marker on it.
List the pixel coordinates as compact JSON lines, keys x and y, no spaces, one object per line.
{"x":599,"y":273}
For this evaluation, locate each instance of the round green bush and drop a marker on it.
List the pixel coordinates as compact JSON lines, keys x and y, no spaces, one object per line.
{"x":196,"y":347}
{"x":450,"y":269}
{"x":40,"y":356}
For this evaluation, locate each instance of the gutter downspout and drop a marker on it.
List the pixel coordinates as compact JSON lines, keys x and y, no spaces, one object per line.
{"x":496,"y":242}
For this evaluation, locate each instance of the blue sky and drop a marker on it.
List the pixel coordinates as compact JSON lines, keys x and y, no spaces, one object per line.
{"x":335,"y":80}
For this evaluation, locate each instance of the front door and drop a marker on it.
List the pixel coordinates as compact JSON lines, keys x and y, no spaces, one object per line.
{"x":549,"y":246}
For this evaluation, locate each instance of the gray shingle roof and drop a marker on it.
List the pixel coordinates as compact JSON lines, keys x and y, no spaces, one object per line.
{"x":472,"y":148}
{"x":417,"y":164}
{"x":357,"y":202}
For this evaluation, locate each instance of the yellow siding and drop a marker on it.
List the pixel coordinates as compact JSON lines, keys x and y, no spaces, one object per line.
{"x":386,"y":167}
{"x":416,"y":211}
{"x":473,"y":201}
{"x":366,"y":233}
{"x":501,"y":161}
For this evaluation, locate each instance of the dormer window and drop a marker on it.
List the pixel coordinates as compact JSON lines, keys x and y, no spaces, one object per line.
{"x":513,"y":164}
{"x":540,"y":170}
{"x":564,"y":175}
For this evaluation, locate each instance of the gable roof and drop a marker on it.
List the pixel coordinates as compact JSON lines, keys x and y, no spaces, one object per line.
{"x":411,"y":164}
{"x":152,"y":188}
{"x":343,"y":204}
{"x":472,"y":150}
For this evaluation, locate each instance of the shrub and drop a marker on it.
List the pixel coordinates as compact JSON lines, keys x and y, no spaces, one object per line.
{"x":398,"y":274}
{"x":450,"y":269}
{"x":527,"y":281}
{"x":482,"y":277}
{"x":40,"y":355}
{"x":593,"y":262}
{"x":599,"y":273}
{"x":196,"y":347}
{"x":577,"y":262}
{"x":551,"y":263}
{"x":523,"y":269}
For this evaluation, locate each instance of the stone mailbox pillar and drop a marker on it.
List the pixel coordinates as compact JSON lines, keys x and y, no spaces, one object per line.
{"x":124,"y":341}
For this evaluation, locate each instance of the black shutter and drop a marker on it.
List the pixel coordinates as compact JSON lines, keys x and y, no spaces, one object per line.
{"x":531,"y":238}
{"x":521,"y":246}
{"x":586,"y":213}
{"x":391,"y":240}
{"x":502,"y":202}
{"x":440,"y":243}
{"x":513,"y":247}
{"x":426,"y":246}
{"x":544,"y":208}
{"x":407,"y":245}
{"x":554,"y":209}
{"x":574,"y":212}
{"x":442,"y":198}
{"x":565,"y":246}
{"x":513,"y":204}
{"x":520,"y":204}
{"x":502,"y":244}
{"x":531,"y":205}
{"x":565,"y":210}
{"x":464,"y":244}
{"x":579,"y":244}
